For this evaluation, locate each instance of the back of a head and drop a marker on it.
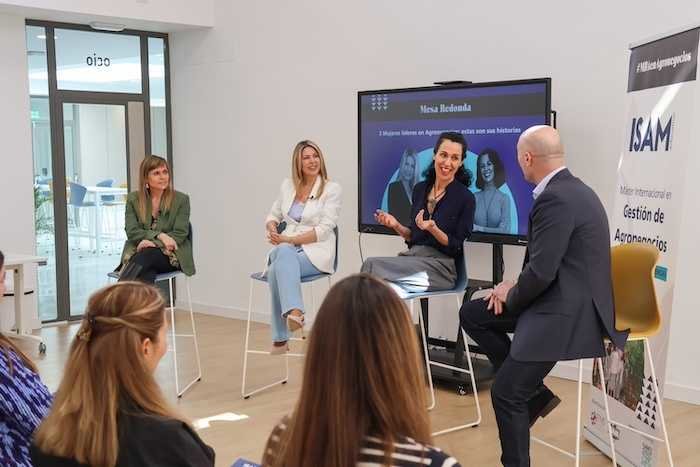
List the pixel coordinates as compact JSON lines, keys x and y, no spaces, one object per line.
{"x":362,"y":377}
{"x":105,"y":369}
{"x":543,"y":141}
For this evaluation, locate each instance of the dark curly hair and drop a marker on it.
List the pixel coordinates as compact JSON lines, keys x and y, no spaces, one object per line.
{"x":499,"y":172}
{"x":463,"y":175}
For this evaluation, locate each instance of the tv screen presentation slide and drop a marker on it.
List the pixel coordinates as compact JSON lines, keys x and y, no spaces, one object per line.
{"x":398,"y":129}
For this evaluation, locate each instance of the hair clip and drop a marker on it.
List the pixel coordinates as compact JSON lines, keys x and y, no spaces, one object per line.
{"x":85,"y":335}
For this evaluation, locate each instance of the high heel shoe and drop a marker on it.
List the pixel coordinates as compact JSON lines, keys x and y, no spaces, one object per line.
{"x":295,"y":323}
{"x":281,"y":349}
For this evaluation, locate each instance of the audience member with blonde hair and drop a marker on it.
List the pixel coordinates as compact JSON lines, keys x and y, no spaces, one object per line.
{"x":108,"y":410}
{"x":24,"y":400}
{"x":362,"y":399}
{"x":157,"y":224}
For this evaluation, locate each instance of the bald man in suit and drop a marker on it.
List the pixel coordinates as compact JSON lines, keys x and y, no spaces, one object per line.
{"x":560,"y":308}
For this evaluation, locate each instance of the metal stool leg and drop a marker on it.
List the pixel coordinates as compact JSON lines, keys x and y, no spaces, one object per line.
{"x":577,"y":454}
{"x":173,"y":335}
{"x":659,"y":401}
{"x":194,"y":338}
{"x":247,"y":351}
{"x":427,"y":356}
{"x":247,"y":336}
{"x":578,"y":413}
{"x":470,"y":371}
{"x":608,"y":424}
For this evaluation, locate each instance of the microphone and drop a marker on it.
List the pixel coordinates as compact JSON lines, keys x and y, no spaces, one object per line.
{"x":281,"y":226}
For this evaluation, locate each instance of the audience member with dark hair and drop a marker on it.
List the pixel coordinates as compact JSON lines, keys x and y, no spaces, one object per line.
{"x":492,"y":205}
{"x":362,"y":399}
{"x":109,"y":410}
{"x":442,"y":218}
{"x":24,"y":400}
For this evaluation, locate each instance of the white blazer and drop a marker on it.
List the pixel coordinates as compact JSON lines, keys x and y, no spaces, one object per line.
{"x":320,"y":214}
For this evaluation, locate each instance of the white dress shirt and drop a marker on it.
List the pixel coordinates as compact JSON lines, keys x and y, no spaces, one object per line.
{"x":545,"y":181}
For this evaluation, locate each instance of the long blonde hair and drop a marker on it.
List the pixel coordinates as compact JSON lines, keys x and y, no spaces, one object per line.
{"x":105,"y":370}
{"x":147,"y":164}
{"x":297,"y":174}
{"x":362,"y":377}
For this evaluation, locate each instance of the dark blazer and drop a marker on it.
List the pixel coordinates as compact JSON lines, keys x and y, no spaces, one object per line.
{"x":453,"y":214}
{"x":563,"y":296}
{"x":147,"y":441}
{"x":399,"y":203}
{"x":174,"y":222}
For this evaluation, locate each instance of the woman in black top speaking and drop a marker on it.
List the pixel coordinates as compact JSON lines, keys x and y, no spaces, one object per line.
{"x":442,"y":218}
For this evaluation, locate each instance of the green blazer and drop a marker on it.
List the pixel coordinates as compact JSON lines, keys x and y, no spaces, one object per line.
{"x":174,"y":222}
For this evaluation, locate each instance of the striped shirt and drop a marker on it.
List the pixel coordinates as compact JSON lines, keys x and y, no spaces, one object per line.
{"x":406,"y":453}
{"x":24,"y":402}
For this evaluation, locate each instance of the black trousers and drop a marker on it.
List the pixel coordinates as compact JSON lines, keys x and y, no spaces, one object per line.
{"x":153,"y":262}
{"x":516,"y":382}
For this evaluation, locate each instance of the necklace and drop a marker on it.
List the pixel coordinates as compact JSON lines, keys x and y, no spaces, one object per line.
{"x":433,"y":199}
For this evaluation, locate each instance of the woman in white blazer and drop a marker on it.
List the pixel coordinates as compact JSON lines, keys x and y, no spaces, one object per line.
{"x":301,"y":225}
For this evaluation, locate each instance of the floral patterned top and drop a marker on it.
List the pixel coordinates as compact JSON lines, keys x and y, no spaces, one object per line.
{"x":24,"y":402}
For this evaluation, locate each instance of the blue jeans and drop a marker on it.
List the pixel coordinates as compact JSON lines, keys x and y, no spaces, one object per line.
{"x":288,"y":264}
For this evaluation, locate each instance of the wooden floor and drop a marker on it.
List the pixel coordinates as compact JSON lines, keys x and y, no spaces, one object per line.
{"x":219,"y":394}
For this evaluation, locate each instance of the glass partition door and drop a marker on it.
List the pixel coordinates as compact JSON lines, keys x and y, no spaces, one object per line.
{"x":99,"y":103}
{"x":95,"y":154}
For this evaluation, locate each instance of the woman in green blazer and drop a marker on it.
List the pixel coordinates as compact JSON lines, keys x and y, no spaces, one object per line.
{"x":157,"y":226}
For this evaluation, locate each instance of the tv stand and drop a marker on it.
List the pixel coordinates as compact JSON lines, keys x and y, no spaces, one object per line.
{"x":452,"y":352}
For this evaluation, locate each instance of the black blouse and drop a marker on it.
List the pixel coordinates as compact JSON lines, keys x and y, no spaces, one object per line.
{"x":453,"y":214}
{"x":147,"y":441}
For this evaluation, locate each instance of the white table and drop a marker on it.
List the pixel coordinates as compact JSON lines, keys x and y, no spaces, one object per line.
{"x":96,"y":193}
{"x":16,"y":263}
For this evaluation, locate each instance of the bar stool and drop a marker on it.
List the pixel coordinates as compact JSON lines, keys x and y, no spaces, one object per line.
{"x":636,"y":309}
{"x":170,"y":276}
{"x":260,"y":277}
{"x":458,"y":292}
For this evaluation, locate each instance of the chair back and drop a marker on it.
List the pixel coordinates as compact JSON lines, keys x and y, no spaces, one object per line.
{"x":636,"y":305}
{"x":77,"y":194}
{"x":461,"y":266}
{"x":106,"y":183}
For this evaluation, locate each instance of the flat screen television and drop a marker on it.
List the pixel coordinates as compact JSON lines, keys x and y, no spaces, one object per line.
{"x":397,"y":129}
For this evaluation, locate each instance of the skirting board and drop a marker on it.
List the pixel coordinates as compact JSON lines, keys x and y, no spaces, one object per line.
{"x":673,"y":391}
{"x":566,"y":370}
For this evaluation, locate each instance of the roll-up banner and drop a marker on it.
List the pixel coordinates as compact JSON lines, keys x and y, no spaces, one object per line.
{"x":659,"y":136}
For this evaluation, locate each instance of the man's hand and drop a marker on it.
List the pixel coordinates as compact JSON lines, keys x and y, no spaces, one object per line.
{"x":497,"y":297}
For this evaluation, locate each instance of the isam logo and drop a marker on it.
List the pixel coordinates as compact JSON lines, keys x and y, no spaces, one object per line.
{"x":651,"y":135}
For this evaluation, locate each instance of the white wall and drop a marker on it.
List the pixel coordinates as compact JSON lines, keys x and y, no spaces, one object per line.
{"x":151,"y":15}
{"x":16,"y":172}
{"x":269,"y":74}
